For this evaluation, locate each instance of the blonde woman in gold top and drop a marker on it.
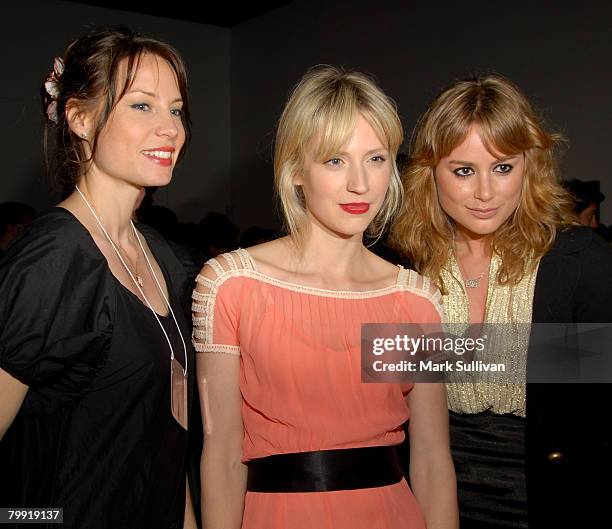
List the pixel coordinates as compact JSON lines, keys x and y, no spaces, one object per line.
{"x":487,"y":220}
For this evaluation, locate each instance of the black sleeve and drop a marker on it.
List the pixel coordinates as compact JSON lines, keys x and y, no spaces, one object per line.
{"x":55,"y":314}
{"x":574,"y":285}
{"x":593,"y":289}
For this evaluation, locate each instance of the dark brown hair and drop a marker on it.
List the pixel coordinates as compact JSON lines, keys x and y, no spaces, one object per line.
{"x":92,"y":76}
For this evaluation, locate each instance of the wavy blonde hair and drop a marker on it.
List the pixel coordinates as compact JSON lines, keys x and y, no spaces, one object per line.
{"x":324,"y":107}
{"x":508,"y":124}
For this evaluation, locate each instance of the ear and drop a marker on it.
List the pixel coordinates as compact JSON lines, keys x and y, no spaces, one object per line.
{"x":80,"y":118}
{"x":298,"y":178}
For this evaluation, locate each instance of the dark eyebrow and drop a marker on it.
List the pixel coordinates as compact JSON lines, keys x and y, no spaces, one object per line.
{"x":151,"y":94}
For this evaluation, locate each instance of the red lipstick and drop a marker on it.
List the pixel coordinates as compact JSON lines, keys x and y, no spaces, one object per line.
{"x":160,"y":155}
{"x":356,"y":208}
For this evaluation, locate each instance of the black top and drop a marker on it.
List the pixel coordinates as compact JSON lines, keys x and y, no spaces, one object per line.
{"x":574,"y":282}
{"x":95,"y":434}
{"x":573,"y":285}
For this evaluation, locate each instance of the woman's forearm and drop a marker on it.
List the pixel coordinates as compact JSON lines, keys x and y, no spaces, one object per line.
{"x":435,"y":488}
{"x":223,"y":491}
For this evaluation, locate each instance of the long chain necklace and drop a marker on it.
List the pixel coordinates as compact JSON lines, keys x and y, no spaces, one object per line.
{"x":139,"y":287}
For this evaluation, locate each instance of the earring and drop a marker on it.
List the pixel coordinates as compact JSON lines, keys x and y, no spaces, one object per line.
{"x":83,"y":134}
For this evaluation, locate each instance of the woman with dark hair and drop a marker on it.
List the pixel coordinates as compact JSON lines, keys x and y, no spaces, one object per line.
{"x":94,"y":349}
{"x":486,"y":219}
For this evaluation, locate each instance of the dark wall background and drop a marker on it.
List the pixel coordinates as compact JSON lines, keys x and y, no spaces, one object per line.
{"x":240,"y":78}
{"x":33,"y":33}
{"x":558,"y":53}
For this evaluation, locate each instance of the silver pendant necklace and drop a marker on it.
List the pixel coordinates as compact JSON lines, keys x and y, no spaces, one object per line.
{"x":138,"y":276}
{"x":473,"y":283}
{"x":139,"y":279}
{"x":469,"y":282}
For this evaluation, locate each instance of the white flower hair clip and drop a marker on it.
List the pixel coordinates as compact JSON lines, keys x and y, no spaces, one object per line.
{"x":51,"y":87}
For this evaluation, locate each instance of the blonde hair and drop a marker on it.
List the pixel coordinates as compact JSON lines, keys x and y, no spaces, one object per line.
{"x":324,"y":107}
{"x":508,"y":124}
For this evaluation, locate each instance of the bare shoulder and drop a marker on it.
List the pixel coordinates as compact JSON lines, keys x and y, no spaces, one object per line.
{"x":381,"y":270}
{"x":273,"y":258}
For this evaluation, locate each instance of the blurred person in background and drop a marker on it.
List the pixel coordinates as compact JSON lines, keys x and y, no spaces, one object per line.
{"x":14,"y":217}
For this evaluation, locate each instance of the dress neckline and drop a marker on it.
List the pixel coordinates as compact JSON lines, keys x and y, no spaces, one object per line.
{"x":99,"y":253}
{"x":325,"y":292}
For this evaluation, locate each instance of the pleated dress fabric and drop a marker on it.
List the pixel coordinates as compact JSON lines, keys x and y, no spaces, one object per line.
{"x":300,"y":380}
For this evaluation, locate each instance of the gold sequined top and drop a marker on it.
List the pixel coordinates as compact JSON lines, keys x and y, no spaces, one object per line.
{"x":506,"y":306}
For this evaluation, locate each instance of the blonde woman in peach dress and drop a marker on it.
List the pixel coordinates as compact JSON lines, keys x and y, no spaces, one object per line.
{"x":293,"y":438}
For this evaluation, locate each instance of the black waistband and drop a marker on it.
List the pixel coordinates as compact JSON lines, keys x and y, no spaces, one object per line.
{"x":325,"y":470}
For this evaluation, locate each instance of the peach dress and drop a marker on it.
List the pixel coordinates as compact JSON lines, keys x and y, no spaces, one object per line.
{"x":301,"y":387}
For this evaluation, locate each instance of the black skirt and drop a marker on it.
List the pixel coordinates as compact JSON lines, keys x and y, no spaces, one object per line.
{"x":489,"y":455}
